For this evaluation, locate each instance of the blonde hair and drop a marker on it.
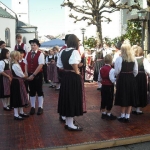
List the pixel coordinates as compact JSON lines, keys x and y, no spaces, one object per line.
{"x":134,"y":48}
{"x":139,"y":52}
{"x":108,"y":59}
{"x":56,"y":47}
{"x":13,"y":54}
{"x":148,"y":57}
{"x":126,"y":53}
{"x":126,"y":41}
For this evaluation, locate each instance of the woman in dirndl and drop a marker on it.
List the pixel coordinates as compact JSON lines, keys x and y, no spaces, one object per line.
{"x":18,"y":97}
{"x":50,"y":68}
{"x":70,"y":103}
{"x":126,"y":69}
{"x":141,"y":80}
{"x":5,"y":79}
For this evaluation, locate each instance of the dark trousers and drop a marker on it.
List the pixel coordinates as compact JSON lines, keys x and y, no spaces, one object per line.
{"x":45,"y":72}
{"x":107,"y":96}
{"x":35,"y":86}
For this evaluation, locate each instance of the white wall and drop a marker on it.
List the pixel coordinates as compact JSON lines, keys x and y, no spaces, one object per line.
{"x":11,"y":24}
{"x":21,"y":7}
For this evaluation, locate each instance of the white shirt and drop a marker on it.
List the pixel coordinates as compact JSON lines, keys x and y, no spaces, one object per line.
{"x":75,"y":58}
{"x":81,"y":49}
{"x":41,"y":58}
{"x":18,"y":71}
{"x":111,"y":75}
{"x":145,"y":64}
{"x":107,"y":51}
{"x":2,"y":64}
{"x":118,"y":66}
{"x":116,"y":55}
{"x":25,"y":47}
{"x":47,"y":58}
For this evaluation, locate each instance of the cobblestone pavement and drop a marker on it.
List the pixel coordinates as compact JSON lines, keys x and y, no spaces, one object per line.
{"x":47,"y":131}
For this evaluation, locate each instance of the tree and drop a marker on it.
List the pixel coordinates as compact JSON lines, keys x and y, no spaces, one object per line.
{"x":90,"y":43}
{"x":94,"y":11}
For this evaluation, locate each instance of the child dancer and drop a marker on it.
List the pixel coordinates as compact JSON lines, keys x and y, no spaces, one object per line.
{"x":20,"y":44}
{"x":50,"y":67}
{"x":126,"y":68}
{"x":22,"y":65}
{"x":18,"y":97}
{"x":5,"y":79}
{"x":107,"y":79}
{"x":55,"y":75}
{"x":141,"y":79}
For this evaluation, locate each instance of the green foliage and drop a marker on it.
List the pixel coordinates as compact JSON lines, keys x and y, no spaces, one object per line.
{"x":90,"y":43}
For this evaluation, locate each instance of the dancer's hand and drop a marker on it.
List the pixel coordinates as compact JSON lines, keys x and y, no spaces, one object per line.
{"x":31,"y":78}
{"x":10,"y":79}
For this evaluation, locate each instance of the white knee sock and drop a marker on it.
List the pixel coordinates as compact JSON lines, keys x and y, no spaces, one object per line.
{"x":138,"y":109}
{"x":8,"y":101}
{"x":40,"y":100}
{"x":21,"y":110}
{"x":99,"y":85}
{"x":122,"y":115}
{"x":32,"y":100}
{"x":16,"y":112}
{"x":127,"y":116}
{"x":57,"y":86}
{"x":70,"y":122}
{"x":4,"y":101}
{"x":63,"y":117}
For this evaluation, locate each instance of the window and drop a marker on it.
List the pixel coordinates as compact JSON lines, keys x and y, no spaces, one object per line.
{"x":7,"y":37}
{"x":19,"y":15}
{"x":19,"y":2}
{"x":24,"y":40}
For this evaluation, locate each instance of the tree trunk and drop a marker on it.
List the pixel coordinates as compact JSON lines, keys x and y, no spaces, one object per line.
{"x":99,"y":33}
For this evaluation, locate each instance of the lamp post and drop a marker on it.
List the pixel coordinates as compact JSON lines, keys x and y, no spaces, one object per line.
{"x":142,"y":14}
{"x":83,"y":32}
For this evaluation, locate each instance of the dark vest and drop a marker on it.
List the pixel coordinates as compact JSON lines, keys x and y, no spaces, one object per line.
{"x":6,"y":66}
{"x":19,"y":46}
{"x":22,"y":65}
{"x":140,"y":64}
{"x":127,"y":66}
{"x":65,"y":56}
{"x":104,"y":72}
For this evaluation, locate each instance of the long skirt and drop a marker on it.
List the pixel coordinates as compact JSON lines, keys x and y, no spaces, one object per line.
{"x":126,"y":90}
{"x":89,"y":73}
{"x":5,"y":85}
{"x":98,"y":65}
{"x":55,"y":75}
{"x":141,"y":80}
{"x":50,"y":71}
{"x":70,"y":102}
{"x":18,"y":97}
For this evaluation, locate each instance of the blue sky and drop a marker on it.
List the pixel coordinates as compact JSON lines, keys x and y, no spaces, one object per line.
{"x":46,"y":14}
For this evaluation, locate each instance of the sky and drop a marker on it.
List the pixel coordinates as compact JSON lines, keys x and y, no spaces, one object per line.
{"x":47,"y":15}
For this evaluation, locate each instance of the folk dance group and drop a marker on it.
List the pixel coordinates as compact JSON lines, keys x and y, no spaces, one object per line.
{"x":23,"y":73}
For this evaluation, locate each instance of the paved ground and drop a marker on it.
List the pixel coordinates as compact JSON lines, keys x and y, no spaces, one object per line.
{"x":46,"y":131}
{"x":140,"y":146}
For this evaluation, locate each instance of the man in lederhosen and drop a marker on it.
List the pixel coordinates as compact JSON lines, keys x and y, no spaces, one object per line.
{"x":34,"y":62}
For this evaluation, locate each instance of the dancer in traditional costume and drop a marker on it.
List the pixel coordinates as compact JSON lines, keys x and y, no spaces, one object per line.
{"x":70,"y":102}
{"x":20,"y":44}
{"x":18,"y":97}
{"x":126,"y":69}
{"x":5,"y":79}
{"x":34,"y":62}
{"x":141,"y":80}
{"x":107,"y":79}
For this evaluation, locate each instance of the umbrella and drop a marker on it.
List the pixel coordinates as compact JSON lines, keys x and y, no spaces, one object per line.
{"x":52,"y":43}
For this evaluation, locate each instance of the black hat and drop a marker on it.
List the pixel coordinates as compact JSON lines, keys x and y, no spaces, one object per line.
{"x":2,"y":42}
{"x":21,"y":50}
{"x":35,"y":41}
{"x":66,"y":37}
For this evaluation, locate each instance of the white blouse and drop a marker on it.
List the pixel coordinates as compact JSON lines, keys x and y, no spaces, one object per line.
{"x":41,"y":59}
{"x":18,"y":71}
{"x":47,"y":58}
{"x":118,"y":66}
{"x":111,"y":75}
{"x":75,"y":58}
{"x":145,"y":64}
{"x":2,"y":64}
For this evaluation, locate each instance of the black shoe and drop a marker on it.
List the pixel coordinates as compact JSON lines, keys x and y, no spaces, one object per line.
{"x":103,"y":116}
{"x":121,"y":119}
{"x":24,"y":115}
{"x":126,"y":120}
{"x":98,"y":89}
{"x":32,"y":111}
{"x":7,"y":109}
{"x":77,"y":129}
{"x":27,"y":105}
{"x":18,"y":118}
{"x":134,"y":112}
{"x":111,"y":117}
{"x":60,"y":118}
{"x":40,"y":111}
{"x":66,"y":126}
{"x":57,"y":89}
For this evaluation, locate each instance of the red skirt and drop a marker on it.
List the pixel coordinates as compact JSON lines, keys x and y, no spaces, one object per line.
{"x":50,"y":72}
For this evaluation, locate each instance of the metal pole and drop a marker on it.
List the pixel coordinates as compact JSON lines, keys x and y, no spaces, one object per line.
{"x":83,"y":38}
{"x":143,"y":35}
